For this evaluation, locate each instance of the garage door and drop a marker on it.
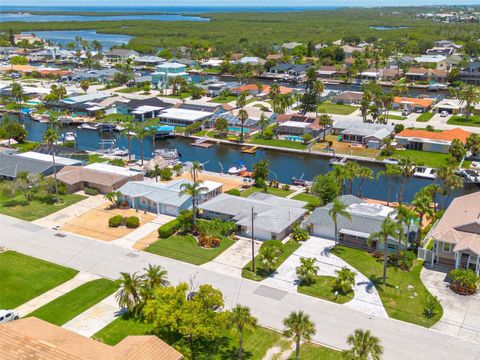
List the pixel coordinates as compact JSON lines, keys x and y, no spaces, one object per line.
{"x":327,"y":232}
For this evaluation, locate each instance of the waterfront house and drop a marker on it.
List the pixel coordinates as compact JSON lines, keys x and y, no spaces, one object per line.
{"x":426,"y":75}
{"x":471,"y":73}
{"x":117,"y":55}
{"x":149,"y":60}
{"x":329,"y":72}
{"x":424,"y":140}
{"x":348,"y":97}
{"x":142,"y":109}
{"x":365,"y":219}
{"x":416,"y":105}
{"x":456,"y":235}
{"x":297,"y":125}
{"x":164,"y":198}
{"x":367,"y":134}
{"x":234,"y":122}
{"x":103,"y":177}
{"x":256,"y":90}
{"x":274,"y":216}
{"x":252,"y":60}
{"x":183,"y":117}
{"x":289,"y":69}
{"x":440,"y":50}
{"x":437,"y":61}
{"x":33,"y":338}
{"x":454,"y":107}
{"x":168,"y":70}
{"x":100,"y":75}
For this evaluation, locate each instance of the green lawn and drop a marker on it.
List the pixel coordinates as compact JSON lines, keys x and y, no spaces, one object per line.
{"x":256,"y":343}
{"x":393,"y":117}
{"x":26,"y":146}
{"x":223,"y":100}
{"x":323,"y":289}
{"x":337,"y":109}
{"x":185,"y":248}
{"x":426,"y":116}
{"x":130,"y":90}
{"x":75,"y":302}
{"x":315,"y":352}
{"x":431,"y":159}
{"x":461,"y":120}
{"x":312,"y":200}
{"x":181,"y":96}
{"x":270,"y":190}
{"x":260,"y":273}
{"x":404,"y":296}
{"x":41,"y":206}
{"x":96,"y":158}
{"x":256,"y":139}
{"x":24,"y":278}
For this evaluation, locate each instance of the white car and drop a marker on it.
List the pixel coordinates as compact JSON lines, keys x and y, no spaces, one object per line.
{"x":8,"y":315}
{"x":444,"y":114}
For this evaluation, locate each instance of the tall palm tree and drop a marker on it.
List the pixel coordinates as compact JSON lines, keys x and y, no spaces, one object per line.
{"x":128,"y":295}
{"x":449,"y":181}
{"x":274,"y":94}
{"x":422,"y":204}
{"x":470,"y":96}
{"x":243,"y":117}
{"x":18,"y":93}
{"x":194,"y":190}
{"x":340,"y":174}
{"x":389,"y":229}
{"x":365,"y":105}
{"x":404,"y":216}
{"x":262,"y":123}
{"x":196,"y":169}
{"x":387,"y":100}
{"x":407,"y":169}
{"x":155,"y":276}
{"x":241,"y":319}
{"x":50,"y":137}
{"x":337,"y":209}
{"x":128,"y":130}
{"x":325,"y":120}
{"x":392,"y":171}
{"x":298,"y":326}
{"x":141,"y":132}
{"x":364,"y":346}
{"x":352,"y":172}
{"x":364,"y":173}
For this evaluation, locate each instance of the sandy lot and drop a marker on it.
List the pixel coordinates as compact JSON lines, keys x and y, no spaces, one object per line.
{"x":229,"y":182}
{"x":147,"y":240}
{"x":94,"y":223}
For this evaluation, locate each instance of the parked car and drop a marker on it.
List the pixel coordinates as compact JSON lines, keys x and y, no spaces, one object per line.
{"x":8,"y":315}
{"x":405,"y":112}
{"x":444,"y":113}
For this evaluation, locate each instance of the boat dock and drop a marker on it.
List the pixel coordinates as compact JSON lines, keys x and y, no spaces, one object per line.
{"x":249,"y":149}
{"x":203,"y":143}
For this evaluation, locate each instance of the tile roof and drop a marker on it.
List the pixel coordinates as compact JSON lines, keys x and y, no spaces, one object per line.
{"x":426,"y":103}
{"x":265,"y":89}
{"x":445,"y":135}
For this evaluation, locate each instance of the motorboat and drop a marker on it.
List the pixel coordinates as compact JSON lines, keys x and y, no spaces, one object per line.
{"x":425,"y":172}
{"x":88,"y":126}
{"x":69,"y":136}
{"x":237,"y":169}
{"x":167,"y":154}
{"x":338,"y":161}
{"x":120,"y":151}
{"x":391,"y":161}
{"x":470,"y":176}
{"x":104,"y":127}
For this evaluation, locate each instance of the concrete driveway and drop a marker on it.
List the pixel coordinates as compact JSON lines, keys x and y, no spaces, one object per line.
{"x":461,"y":314}
{"x":366,"y":296}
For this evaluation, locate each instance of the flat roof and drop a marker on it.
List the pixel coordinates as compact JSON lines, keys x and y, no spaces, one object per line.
{"x":295,"y":124}
{"x":112,"y":169}
{"x":48,"y":158}
{"x":183,"y":114}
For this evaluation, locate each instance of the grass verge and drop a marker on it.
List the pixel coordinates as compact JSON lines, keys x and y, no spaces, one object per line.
{"x":324,"y":289}
{"x":315,"y":352}
{"x":426,"y":116}
{"x":474,"y":120}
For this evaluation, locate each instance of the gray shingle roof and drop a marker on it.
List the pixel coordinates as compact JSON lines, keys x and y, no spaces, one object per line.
{"x":159,"y":193}
{"x":11,"y":165}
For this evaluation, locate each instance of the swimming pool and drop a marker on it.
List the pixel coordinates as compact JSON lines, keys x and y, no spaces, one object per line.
{"x":238,"y":129}
{"x":294,"y":138}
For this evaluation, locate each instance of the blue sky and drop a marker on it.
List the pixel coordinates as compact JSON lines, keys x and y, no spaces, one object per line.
{"x":238,"y":2}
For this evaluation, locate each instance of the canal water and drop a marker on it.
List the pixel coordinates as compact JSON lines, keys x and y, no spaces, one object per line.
{"x":218,"y":158}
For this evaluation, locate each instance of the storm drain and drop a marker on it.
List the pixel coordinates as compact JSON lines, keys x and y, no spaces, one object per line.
{"x":132,"y":255}
{"x":60,"y":235}
{"x":270,"y":292}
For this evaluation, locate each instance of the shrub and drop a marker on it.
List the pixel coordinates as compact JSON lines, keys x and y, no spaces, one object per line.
{"x":388,"y":150}
{"x":132,"y":222}
{"x":91,"y":191}
{"x":166,"y":174}
{"x":464,"y":281}
{"x":117,"y":162}
{"x":299,"y":234}
{"x":185,"y":221}
{"x":168,"y":229}
{"x":268,"y":134}
{"x":208,"y":241}
{"x":234,"y":192}
{"x":432,"y":304}
{"x":285,"y":187}
{"x":307,"y":138}
{"x":115,"y":221}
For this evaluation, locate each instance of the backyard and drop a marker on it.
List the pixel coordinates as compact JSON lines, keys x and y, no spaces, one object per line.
{"x":430,"y":159}
{"x":404,"y":297}
{"x":337,"y":109}
{"x":185,"y":248}
{"x":270,"y":190}
{"x":312,"y":200}
{"x":24,"y":278}
{"x":323,"y":288}
{"x":474,"y":120}
{"x":257,"y":139}
{"x":345,"y":147}
{"x":75,"y":302}
{"x":223,"y":99}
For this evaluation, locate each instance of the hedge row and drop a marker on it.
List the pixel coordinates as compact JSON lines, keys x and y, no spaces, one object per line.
{"x":168,"y":229}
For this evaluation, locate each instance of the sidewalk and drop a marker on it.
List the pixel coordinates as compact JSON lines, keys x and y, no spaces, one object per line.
{"x":80,"y":279}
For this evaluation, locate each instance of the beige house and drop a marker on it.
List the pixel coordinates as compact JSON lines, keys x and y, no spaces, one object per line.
{"x":457,"y":234}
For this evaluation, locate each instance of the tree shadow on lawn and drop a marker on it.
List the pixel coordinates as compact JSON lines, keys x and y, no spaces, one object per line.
{"x":13,"y":203}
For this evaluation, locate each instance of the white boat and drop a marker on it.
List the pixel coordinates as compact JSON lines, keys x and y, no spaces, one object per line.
{"x":69,"y":136}
{"x":338,"y":161}
{"x":120,"y":151}
{"x":425,"y":172}
{"x":392,"y":161}
{"x":88,"y":126}
{"x":167,"y":154}
{"x":237,"y":170}
{"x":470,"y":176}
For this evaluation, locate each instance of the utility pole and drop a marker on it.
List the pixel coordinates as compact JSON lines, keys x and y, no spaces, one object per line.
{"x":253,"y":243}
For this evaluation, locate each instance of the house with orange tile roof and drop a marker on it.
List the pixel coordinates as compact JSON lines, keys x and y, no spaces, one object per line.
{"x":254,"y":89}
{"x":412,"y":104}
{"x":425,"y":140}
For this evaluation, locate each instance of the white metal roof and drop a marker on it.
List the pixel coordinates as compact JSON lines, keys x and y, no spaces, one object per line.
{"x":146,"y":109}
{"x":295,"y":124}
{"x":183,"y":114}
{"x":111,"y":169}
{"x":48,"y":158}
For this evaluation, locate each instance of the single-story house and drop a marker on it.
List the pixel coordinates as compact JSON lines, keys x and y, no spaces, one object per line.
{"x":149,"y":60}
{"x":454,"y":107}
{"x":291,"y":45}
{"x":143,"y":108}
{"x":12,"y":165}
{"x":33,"y":338}
{"x":234,"y":122}
{"x":252,"y":60}
{"x":348,"y":97}
{"x":412,"y":104}
{"x":164,"y":198}
{"x":426,"y":75}
{"x":471,"y":73}
{"x":425,"y":140}
{"x":297,"y":125}
{"x":59,"y":160}
{"x":457,"y":234}
{"x":183,"y":117}
{"x":329,"y":71}
{"x":433,"y":60}
{"x":115,"y":55}
{"x":274,"y":216}
{"x":100,"y":75}
{"x":365,"y":219}
{"x":289,"y":69}
{"x":103,"y":177}
{"x":367,"y":134}
{"x":253,"y":89}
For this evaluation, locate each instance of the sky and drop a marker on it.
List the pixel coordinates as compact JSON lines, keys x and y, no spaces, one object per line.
{"x":238,"y":3}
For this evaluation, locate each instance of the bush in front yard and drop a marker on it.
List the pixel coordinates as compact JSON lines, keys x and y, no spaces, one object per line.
{"x":234,"y":192}
{"x":168,"y":229}
{"x":91,"y":191}
{"x":115,"y":221}
{"x":132,"y":222}
{"x":464,"y":281}
{"x":208,"y":241}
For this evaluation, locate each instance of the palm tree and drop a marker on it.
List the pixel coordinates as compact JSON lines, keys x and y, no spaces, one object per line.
{"x":274,"y":94}
{"x":241,"y":319}
{"x":338,"y":208}
{"x":128,"y":128}
{"x":387,"y":100}
{"x":352,"y":170}
{"x":345,"y":280}
{"x":325,"y":120}
{"x":422,"y":203}
{"x":141,"y":133}
{"x":391,"y":172}
{"x":298,"y":326}
{"x":155,"y":276}
{"x":364,"y":173}
{"x":17,"y":93}
{"x":262,"y":123}
{"x":50,"y":137}
{"x":195,"y":170}
{"x":194,"y":190}
{"x":365,"y":105}
{"x":128,"y":295}
{"x":307,"y":271}
{"x":407,"y":169}
{"x":389,"y":229}
{"x":241,"y":100}
{"x":404,"y":216}
{"x":364,"y":346}
{"x":449,"y":181}
{"x":112,"y":196}
{"x":340,"y":174}
{"x":268,"y":257}
{"x":469,"y":95}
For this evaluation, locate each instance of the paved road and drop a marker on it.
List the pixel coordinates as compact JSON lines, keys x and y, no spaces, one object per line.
{"x":334,"y":322}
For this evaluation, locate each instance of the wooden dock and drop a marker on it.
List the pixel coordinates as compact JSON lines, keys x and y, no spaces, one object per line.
{"x":249,"y":149}
{"x":203,"y":143}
